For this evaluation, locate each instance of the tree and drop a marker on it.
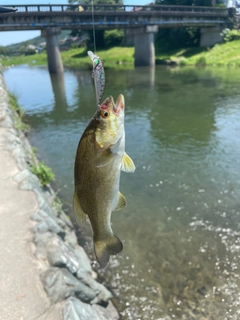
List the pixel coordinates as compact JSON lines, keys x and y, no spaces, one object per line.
{"x":120,"y":2}
{"x":99,"y":34}
{"x":3,"y":50}
{"x":182,"y":37}
{"x":207,"y":3}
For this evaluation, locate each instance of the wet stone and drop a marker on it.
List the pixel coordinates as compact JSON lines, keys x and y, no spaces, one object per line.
{"x":103,"y":293}
{"x":108,"y":313}
{"x":77,"y":310}
{"x":60,"y":284}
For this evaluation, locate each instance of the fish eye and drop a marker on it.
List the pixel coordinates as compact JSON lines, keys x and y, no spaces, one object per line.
{"x":105,"y":114}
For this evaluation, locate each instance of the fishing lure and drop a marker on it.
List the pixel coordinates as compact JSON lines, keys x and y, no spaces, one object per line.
{"x":98,"y":75}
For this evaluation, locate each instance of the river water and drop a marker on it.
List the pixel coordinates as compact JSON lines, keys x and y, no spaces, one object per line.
{"x":181,"y":227}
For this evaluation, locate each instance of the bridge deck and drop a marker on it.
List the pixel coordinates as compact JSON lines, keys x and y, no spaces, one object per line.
{"x":30,"y":17}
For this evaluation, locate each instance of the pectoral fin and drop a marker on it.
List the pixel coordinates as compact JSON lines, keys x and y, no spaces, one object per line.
{"x":127,"y":164}
{"x":79,"y":214}
{"x":122,"y":202}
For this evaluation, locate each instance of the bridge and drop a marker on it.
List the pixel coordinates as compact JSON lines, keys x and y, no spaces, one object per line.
{"x":140,"y":21}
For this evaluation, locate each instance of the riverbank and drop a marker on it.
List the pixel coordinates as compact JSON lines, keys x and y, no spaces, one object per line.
{"x":224,"y":54}
{"x":44,"y":254}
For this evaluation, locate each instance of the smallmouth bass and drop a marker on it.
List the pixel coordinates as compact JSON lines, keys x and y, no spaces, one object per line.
{"x":99,"y":160}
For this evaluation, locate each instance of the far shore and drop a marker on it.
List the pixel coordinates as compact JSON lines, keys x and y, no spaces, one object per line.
{"x":224,"y":54}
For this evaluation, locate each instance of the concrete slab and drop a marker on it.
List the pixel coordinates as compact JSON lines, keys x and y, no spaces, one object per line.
{"x":21,"y":292}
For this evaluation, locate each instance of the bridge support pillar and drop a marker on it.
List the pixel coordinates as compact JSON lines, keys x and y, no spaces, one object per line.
{"x":55,"y":65}
{"x":144,"y":46}
{"x":210,"y":36}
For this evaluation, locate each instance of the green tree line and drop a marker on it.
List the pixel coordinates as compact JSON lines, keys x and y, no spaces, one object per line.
{"x":166,"y":39}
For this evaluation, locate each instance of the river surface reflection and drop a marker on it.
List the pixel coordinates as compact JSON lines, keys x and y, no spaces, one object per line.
{"x":181,"y":227}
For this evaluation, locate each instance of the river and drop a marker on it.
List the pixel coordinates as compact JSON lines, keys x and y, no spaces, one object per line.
{"x":181,"y":227}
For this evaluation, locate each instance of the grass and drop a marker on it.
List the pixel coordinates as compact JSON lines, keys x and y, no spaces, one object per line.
{"x":18,"y":118}
{"x":225,"y":54}
{"x":57,"y":203}
{"x":112,"y":58}
{"x":78,"y":58}
{"x":32,"y":60}
{"x":42,"y":171}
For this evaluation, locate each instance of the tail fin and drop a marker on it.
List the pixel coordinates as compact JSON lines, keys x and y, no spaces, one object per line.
{"x":105,"y":248}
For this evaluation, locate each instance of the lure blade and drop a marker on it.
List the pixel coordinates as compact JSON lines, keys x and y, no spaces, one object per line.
{"x":98,"y":75}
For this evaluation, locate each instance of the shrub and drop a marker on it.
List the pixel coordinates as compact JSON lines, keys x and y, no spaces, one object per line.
{"x":230,"y":35}
{"x":43,"y":172}
{"x":113,"y":37}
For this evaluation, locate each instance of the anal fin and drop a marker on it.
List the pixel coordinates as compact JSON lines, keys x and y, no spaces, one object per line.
{"x":122,"y":202}
{"x":79,"y":215}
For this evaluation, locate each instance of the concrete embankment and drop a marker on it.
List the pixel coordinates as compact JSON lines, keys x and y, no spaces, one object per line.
{"x":39,"y":252}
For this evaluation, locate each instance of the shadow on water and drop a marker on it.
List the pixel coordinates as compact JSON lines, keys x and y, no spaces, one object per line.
{"x":181,"y":227}
{"x":58,"y":87}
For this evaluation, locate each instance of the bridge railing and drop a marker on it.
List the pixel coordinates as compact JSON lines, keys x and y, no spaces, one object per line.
{"x":103,"y":7}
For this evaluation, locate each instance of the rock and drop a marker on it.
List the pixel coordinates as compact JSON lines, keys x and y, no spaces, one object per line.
{"x":84,"y":263}
{"x":65,"y":219}
{"x":60,"y":284}
{"x":77,"y":310}
{"x":21,"y":176}
{"x":103,"y":293}
{"x":47,"y":224}
{"x":105,"y":313}
{"x":112,"y":311}
{"x":60,"y":254}
{"x":57,"y":252}
{"x":71,"y":238}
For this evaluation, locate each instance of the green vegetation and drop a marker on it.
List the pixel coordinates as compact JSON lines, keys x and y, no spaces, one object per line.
{"x":35,"y":60}
{"x":230,"y":35}
{"x":42,"y":171}
{"x":208,"y":3}
{"x":57,"y":203}
{"x":113,"y":38}
{"x":18,"y":118}
{"x":224,"y":54}
{"x":113,"y":57}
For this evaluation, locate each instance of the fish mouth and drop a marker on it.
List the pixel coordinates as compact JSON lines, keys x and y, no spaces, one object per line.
{"x":110,"y":105}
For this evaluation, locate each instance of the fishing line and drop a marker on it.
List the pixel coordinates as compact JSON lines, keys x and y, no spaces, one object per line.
{"x":93,"y":22}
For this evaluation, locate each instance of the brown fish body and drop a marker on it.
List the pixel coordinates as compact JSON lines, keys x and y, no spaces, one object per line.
{"x":99,"y":160}
{"x":97,"y":186}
